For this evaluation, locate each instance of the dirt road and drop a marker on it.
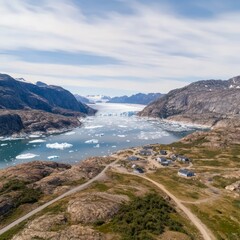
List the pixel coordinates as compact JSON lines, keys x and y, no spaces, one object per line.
{"x":205,"y":232}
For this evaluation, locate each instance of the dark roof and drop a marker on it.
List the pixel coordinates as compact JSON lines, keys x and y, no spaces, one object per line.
{"x":140,"y":170}
{"x":185,"y":171}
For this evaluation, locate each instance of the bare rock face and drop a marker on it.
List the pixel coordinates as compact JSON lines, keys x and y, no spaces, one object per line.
{"x":203,"y":102}
{"x":10,"y":123}
{"x":234,"y":187}
{"x":32,"y":172}
{"x":20,"y":122}
{"x":55,"y":227}
{"x":16,"y":95}
{"x":92,"y":207}
{"x":27,"y":108}
{"x":47,"y":177}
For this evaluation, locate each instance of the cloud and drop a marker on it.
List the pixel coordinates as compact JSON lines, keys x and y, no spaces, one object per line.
{"x":151,"y":43}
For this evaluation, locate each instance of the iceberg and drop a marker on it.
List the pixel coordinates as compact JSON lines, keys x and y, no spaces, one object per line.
{"x":93,"y":127}
{"x":3,"y":144}
{"x":26,"y":156}
{"x":121,"y":136}
{"x":69,"y":133}
{"x":91,"y":141}
{"x":37,"y":141}
{"x":34,"y":136}
{"x":52,"y":157}
{"x":60,"y":146}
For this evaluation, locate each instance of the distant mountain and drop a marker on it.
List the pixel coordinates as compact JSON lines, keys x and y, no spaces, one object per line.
{"x":16,"y":95}
{"x":139,"y":98}
{"x":202,"y":102}
{"x":98,"y":98}
{"x":83,"y":99}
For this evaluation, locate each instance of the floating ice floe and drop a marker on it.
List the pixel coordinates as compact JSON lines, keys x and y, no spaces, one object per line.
{"x":34,"y":136}
{"x":3,"y":144}
{"x":71,"y":151}
{"x":60,"y":146}
{"x":113,"y":146}
{"x":53,"y":157}
{"x":99,"y":134}
{"x":93,"y":127}
{"x":97,"y":146}
{"x":152,"y":135}
{"x":92,"y":141}
{"x":26,"y":156}
{"x":37,"y":141}
{"x":122,"y":126}
{"x":69,"y":133}
{"x":121,"y":136}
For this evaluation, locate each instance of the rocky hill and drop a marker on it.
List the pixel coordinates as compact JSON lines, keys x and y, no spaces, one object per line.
{"x":16,"y":95}
{"x":139,"y":98}
{"x":27,"y":107}
{"x":202,"y":102}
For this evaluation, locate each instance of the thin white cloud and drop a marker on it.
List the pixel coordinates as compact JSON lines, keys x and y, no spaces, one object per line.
{"x":150,"y":43}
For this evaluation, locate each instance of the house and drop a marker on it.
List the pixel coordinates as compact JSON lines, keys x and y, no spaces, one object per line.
{"x":183,"y":159}
{"x":173,"y":157}
{"x":145,"y":153}
{"x":133,"y":158}
{"x":161,"y":159}
{"x":163,"y":152}
{"x":138,"y":170}
{"x":165,"y":163}
{"x":147,"y":147}
{"x":185,"y":173}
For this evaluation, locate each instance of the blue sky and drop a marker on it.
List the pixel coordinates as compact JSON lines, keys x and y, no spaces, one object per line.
{"x":118,"y":47}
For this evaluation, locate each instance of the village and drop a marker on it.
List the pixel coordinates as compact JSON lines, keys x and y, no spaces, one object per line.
{"x":149,"y":159}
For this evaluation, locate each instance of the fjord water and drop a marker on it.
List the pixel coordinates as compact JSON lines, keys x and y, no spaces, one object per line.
{"x":114,"y":127}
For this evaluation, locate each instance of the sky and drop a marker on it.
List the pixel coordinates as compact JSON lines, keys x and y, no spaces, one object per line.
{"x":117,"y":47}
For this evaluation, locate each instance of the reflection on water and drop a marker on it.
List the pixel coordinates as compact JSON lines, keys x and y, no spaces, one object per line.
{"x":114,"y":127}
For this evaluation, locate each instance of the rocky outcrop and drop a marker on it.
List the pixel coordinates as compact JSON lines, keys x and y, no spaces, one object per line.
{"x":10,"y":123}
{"x":55,"y":227}
{"x":234,"y":187}
{"x":94,"y":207}
{"x":22,"y":122}
{"x":16,"y":95}
{"x":203,"y":102}
{"x":139,"y":98}
{"x":27,"y":107}
{"x":224,"y":133}
{"x":46,"y":177}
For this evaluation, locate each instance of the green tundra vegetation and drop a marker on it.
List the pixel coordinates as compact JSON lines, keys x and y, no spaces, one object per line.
{"x":144,"y":218}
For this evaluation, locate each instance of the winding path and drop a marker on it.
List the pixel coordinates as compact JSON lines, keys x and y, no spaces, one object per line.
{"x":205,"y":232}
{"x":72,"y":191}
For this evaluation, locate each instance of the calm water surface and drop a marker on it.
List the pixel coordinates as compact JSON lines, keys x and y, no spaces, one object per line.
{"x":114,"y":127}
